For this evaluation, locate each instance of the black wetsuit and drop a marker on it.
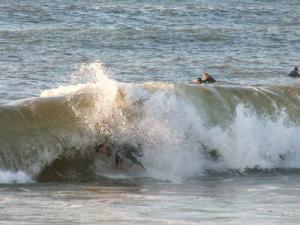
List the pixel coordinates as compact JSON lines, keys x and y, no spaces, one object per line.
{"x":294,"y":73}
{"x":209,"y":80}
{"x":130,"y":152}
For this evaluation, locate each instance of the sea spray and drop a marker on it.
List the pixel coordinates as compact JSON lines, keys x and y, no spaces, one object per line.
{"x":254,"y":141}
{"x":184,"y":130}
{"x":8,"y":177}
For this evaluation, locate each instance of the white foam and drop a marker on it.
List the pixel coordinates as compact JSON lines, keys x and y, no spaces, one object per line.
{"x":87,"y":77}
{"x":8,"y":177}
{"x":254,"y":141}
{"x":63,"y":90}
{"x":172,"y":129}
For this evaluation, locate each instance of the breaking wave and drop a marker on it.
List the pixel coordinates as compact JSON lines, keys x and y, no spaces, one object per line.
{"x":185,"y":130}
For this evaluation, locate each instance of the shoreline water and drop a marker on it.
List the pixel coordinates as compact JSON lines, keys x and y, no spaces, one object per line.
{"x":211,"y":200}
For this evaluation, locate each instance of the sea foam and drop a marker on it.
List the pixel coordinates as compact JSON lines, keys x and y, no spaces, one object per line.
{"x":8,"y":177}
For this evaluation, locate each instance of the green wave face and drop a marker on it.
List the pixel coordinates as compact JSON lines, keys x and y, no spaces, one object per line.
{"x":218,"y":127}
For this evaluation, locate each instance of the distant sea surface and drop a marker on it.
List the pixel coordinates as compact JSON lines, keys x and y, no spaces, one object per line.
{"x":43,"y":42}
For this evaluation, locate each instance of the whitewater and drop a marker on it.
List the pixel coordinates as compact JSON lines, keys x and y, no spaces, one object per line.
{"x":247,"y":127}
{"x":232,"y":149}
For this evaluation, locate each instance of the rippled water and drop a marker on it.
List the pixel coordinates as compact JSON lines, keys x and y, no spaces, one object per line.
{"x":232,"y":200}
{"x":247,"y":41}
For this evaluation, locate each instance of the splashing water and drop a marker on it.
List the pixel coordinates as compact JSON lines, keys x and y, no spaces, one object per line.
{"x":184,"y":130}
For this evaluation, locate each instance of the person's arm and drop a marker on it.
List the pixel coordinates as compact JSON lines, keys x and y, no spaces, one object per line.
{"x":132,"y":157}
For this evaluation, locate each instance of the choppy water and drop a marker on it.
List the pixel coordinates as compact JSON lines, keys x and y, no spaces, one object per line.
{"x":228,"y":200}
{"x":76,"y":73}
{"x":42,"y":42}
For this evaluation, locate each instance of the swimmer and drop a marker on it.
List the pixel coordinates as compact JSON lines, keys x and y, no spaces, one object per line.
{"x":124,"y":151}
{"x":206,"y":78}
{"x":103,"y":149}
{"x":295,"y":72}
{"x":130,"y":152}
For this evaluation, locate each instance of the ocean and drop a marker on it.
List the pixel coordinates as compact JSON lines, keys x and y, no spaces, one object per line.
{"x":77,"y":74}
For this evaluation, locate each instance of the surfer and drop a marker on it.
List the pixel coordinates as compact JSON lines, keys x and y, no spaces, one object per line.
{"x":130,"y":152}
{"x":124,"y":151}
{"x":198,"y":81}
{"x":295,"y":72}
{"x":103,"y":149}
{"x":206,"y":78}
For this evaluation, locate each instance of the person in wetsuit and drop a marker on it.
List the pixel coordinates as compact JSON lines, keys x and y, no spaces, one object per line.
{"x":206,"y":78}
{"x":294,"y":73}
{"x":124,"y":151}
{"x":130,"y":152}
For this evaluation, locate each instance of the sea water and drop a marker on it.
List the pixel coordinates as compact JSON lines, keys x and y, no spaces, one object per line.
{"x":75,"y":74}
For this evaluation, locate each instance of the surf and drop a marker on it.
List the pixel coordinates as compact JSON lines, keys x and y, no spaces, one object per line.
{"x":185,"y":130}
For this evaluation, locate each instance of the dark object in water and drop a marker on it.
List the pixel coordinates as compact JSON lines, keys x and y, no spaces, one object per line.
{"x":130,"y":152}
{"x":124,"y":151}
{"x":294,"y":73}
{"x":211,"y":154}
{"x":104,"y":149}
{"x":206,"y":78}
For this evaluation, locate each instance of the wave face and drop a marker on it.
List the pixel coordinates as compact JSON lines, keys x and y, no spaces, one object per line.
{"x":184,"y":130}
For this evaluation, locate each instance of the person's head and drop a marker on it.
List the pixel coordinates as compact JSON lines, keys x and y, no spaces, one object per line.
{"x":199,"y":80}
{"x":205,"y":76}
{"x":104,"y":149}
{"x":99,"y":147}
{"x":296,"y":68}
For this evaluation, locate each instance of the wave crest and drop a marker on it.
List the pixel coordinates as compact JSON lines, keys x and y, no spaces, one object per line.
{"x":185,"y":130}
